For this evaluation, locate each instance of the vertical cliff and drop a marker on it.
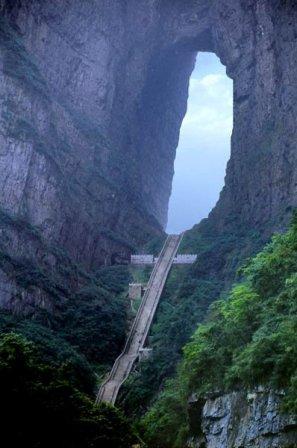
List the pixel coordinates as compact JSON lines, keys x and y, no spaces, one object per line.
{"x":92,"y":100}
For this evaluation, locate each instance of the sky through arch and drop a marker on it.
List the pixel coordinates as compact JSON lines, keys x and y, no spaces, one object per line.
{"x":204,"y":145}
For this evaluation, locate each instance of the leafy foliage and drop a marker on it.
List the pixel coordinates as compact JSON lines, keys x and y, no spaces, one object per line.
{"x":53,"y":348}
{"x":43,"y":408}
{"x":88,"y":310}
{"x":248,"y":339}
{"x":165,"y":425}
{"x":185,"y":301}
{"x":94,"y":323}
{"x":93,"y":320}
{"x":180,"y":310}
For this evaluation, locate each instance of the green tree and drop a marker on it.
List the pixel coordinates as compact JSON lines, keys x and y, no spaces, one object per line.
{"x":249,"y":339}
{"x":42,"y":408}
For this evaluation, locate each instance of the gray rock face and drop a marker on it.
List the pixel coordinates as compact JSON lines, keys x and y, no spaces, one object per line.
{"x":241,"y":420}
{"x":92,"y":96}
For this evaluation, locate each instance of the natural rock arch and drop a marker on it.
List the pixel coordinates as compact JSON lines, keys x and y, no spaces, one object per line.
{"x":249,"y":38}
{"x":118,"y":90}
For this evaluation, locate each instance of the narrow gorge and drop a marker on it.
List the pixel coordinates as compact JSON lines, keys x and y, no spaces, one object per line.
{"x":92,"y":97}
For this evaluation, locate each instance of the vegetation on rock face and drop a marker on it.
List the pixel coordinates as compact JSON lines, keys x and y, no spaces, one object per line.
{"x":178,"y":314}
{"x":50,"y":352}
{"x":86,"y":309}
{"x":249,"y":339}
{"x":92,"y":321}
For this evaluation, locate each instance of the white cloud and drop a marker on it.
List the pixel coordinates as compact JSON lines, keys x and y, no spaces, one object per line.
{"x":211,"y":87}
{"x":209,"y":115}
{"x":210,"y":80}
{"x":206,"y":122}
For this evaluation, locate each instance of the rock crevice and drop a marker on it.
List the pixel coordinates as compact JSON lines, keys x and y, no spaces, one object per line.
{"x":243,"y":420}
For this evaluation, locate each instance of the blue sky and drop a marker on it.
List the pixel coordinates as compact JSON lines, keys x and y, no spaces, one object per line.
{"x":204,"y":145}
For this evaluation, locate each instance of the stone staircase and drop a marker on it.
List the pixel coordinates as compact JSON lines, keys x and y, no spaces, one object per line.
{"x":137,"y":337}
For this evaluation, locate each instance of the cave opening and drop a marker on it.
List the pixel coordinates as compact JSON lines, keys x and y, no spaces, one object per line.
{"x":204,"y":144}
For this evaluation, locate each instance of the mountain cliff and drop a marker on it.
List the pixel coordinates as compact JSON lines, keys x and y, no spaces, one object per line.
{"x":92,"y":96}
{"x":92,"y":99}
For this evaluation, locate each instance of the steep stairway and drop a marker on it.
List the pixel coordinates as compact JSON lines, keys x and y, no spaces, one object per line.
{"x":137,"y":337}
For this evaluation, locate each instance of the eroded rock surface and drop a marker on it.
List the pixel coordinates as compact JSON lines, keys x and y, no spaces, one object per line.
{"x":92,"y":97}
{"x":245,"y":420}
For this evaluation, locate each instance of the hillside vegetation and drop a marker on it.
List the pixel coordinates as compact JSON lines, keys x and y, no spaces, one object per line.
{"x":188,"y":293}
{"x":50,"y":366}
{"x":249,"y":339}
{"x":47,"y":405}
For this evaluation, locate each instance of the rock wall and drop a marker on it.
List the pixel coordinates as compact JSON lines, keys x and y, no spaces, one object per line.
{"x":243,"y":420}
{"x":61,"y":169}
{"x":92,"y":98}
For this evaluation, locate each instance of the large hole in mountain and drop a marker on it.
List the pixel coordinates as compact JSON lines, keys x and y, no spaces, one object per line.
{"x":204,"y":144}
